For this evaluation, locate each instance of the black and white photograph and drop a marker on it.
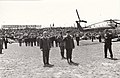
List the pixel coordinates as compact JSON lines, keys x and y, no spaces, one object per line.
{"x":59,"y":38}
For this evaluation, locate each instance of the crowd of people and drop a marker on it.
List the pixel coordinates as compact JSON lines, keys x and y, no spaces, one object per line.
{"x":45,"y":40}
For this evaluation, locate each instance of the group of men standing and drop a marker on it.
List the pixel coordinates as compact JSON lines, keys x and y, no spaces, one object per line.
{"x":29,"y":40}
{"x":34,"y":40}
{"x":65,"y":43}
{"x":108,"y":43}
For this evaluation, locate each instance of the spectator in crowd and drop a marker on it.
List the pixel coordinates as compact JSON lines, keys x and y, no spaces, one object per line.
{"x":5,"y":40}
{"x":31,"y":40}
{"x":34,"y":40}
{"x":52,"y":39}
{"x":92,"y":37}
{"x":26,"y":41}
{"x":56,"y":41}
{"x":20,"y":41}
{"x":100,"y":40}
{"x":77,"y":39}
{"x":99,"y":37}
{"x":1,"y":43}
{"x":45,"y":48}
{"x":38,"y":40}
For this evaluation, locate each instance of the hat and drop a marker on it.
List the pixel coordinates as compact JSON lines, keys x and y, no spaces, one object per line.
{"x":68,"y":31}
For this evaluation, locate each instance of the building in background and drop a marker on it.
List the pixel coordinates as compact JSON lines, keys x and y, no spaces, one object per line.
{"x":21,"y":26}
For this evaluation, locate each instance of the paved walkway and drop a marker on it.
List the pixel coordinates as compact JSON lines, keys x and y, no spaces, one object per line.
{"x":26,"y":62}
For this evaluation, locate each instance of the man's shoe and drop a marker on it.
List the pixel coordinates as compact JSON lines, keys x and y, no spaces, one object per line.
{"x":74,"y":63}
{"x":69,"y":63}
{"x":112,"y":58}
{"x":63,"y":58}
{"x":105,"y":57}
{"x":45,"y":65}
{"x":50,"y":65}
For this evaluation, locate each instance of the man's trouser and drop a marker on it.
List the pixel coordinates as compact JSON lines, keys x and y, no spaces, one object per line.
{"x":0,"y":50}
{"x":106,"y":47}
{"x":69,"y":55}
{"x":46,"y":56}
{"x":62,"y":51}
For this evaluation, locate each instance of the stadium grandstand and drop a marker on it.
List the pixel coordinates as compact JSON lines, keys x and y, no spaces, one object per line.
{"x":21,"y":26}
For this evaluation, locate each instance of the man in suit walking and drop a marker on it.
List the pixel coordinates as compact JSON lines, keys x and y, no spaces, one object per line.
{"x":45,"y":48}
{"x":69,"y":46}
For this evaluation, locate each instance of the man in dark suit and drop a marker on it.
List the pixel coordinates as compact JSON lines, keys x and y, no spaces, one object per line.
{"x":45,"y":48}
{"x":77,"y":39}
{"x":31,"y":40}
{"x":5,"y":41}
{"x":92,"y":37}
{"x":20,"y":41}
{"x":52,"y":39}
{"x":1,"y":43}
{"x":69,"y":46}
{"x":38,"y":40}
{"x":26,"y":41}
{"x":61,"y":45}
{"x":100,"y":40}
{"x":108,"y":43}
{"x":34,"y":40}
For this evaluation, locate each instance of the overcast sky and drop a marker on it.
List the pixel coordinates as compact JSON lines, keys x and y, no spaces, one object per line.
{"x":60,"y":12}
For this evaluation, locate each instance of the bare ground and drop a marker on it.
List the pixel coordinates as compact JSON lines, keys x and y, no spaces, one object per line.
{"x":26,"y":62}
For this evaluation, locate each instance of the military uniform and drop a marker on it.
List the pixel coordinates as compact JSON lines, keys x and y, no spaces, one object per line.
{"x":56,"y":41}
{"x":38,"y":41}
{"x":26,"y":41}
{"x":52,"y":39}
{"x":69,"y":46}
{"x":77,"y":39}
{"x":34,"y":40}
{"x":108,"y":43}
{"x":61,"y":45}
{"x":5,"y":42}
{"x":100,"y":38}
{"x":1,"y":45}
{"x":31,"y":41}
{"x":20,"y":41}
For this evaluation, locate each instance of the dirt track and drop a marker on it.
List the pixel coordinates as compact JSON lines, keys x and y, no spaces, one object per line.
{"x":26,"y":62}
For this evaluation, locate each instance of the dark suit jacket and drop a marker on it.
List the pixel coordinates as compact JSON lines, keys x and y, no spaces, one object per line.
{"x":69,"y":43}
{"x":108,"y":39}
{"x":45,"y":44}
{"x":60,"y":40}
